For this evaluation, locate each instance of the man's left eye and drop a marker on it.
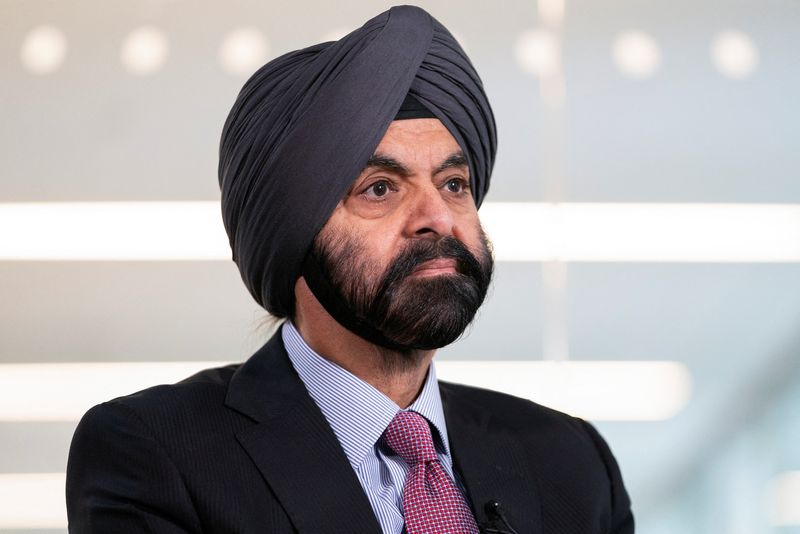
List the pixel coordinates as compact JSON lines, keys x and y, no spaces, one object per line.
{"x":455,"y":185}
{"x":379,"y":189}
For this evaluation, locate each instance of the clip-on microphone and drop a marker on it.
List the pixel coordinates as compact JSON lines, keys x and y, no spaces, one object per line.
{"x":495,"y":512}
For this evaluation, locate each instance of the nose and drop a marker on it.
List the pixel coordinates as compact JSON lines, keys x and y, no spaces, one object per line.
{"x":429,"y":214}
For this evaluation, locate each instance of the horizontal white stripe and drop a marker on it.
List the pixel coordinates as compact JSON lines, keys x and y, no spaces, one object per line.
{"x":113,"y":231}
{"x":644,"y":232}
{"x":783,"y":500}
{"x":596,"y":390}
{"x":65,"y":391}
{"x":32,"y":500}
{"x":521,"y":231}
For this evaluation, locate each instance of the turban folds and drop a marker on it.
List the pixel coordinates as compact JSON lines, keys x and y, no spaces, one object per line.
{"x":305,"y":124}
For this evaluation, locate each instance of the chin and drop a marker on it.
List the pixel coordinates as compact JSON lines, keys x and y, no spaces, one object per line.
{"x":431,"y":312}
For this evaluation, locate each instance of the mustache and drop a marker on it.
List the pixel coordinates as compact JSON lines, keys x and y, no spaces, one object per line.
{"x":421,"y":251}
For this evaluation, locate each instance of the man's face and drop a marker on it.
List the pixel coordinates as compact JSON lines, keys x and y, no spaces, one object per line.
{"x":404,"y":248}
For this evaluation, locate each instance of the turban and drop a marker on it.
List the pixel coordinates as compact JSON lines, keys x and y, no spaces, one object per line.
{"x":305,"y":124}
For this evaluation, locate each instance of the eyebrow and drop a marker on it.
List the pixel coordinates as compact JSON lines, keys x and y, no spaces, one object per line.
{"x":456,"y":159}
{"x":388,"y":163}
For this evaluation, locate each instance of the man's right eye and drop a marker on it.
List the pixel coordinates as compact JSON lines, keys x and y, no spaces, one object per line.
{"x":377,"y":190}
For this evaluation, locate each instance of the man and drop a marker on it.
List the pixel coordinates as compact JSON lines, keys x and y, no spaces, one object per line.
{"x":351,"y":173}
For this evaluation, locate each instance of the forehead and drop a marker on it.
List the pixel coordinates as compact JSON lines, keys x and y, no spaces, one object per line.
{"x":417,"y":138}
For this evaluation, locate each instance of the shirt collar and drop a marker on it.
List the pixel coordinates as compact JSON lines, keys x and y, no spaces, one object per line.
{"x":356,"y":411}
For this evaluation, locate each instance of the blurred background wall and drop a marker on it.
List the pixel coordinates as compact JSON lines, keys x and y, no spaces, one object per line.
{"x":650,"y":150}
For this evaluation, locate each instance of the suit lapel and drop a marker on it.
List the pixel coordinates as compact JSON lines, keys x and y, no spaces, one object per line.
{"x":491,"y":462}
{"x":295,"y":449}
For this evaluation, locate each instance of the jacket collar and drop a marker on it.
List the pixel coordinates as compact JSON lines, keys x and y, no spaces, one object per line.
{"x":295,"y":449}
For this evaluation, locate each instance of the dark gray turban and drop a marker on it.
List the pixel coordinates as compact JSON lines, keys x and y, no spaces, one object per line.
{"x":305,"y":124}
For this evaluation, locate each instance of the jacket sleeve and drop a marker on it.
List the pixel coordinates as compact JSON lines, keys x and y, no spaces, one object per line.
{"x":621,"y":514}
{"x":120,"y":479}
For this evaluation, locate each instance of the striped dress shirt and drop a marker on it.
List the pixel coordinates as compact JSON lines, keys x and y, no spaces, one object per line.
{"x":358,"y":414}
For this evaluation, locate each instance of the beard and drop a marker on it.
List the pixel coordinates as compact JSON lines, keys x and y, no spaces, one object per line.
{"x":389,"y":306}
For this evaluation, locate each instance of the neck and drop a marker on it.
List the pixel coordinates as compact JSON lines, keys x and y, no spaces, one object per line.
{"x":398,"y":375}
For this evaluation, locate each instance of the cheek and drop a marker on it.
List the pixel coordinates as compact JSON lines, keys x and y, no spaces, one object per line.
{"x":381,"y":248}
{"x":468,"y":231}
{"x":380,"y":239}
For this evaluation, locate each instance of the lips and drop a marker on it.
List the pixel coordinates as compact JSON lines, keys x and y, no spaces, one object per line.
{"x":434,"y":267}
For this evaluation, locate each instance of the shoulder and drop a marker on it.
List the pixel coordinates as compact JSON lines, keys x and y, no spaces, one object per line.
{"x":545,"y":429}
{"x":135,"y":451}
{"x":203,"y":386}
{"x":165,"y":421}
{"x":188,"y":405}
{"x":546,"y":433}
{"x":516,"y":413}
{"x":565,"y":452}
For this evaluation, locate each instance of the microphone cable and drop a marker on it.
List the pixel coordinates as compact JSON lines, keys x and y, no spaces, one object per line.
{"x":496,"y":513}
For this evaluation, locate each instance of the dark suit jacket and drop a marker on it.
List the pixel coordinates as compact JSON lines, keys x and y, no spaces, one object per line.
{"x":244,"y":449}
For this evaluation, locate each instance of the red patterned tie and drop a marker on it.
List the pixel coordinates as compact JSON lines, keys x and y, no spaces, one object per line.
{"x":432,"y":504}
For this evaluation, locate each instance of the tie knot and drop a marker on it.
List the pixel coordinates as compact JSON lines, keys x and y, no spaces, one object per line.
{"x":409,"y":435}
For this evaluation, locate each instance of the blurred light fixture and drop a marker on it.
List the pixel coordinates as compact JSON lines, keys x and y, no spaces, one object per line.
{"x":243,"y":51}
{"x":734,"y":54}
{"x":597,"y":390}
{"x":32,"y":501}
{"x":65,"y":391}
{"x":113,"y":231}
{"x":521,"y":231}
{"x":43,"y":50}
{"x":783,"y":500}
{"x":636,"y":54}
{"x":537,"y":52}
{"x":144,"y":51}
{"x":552,"y":11}
{"x":595,"y":232}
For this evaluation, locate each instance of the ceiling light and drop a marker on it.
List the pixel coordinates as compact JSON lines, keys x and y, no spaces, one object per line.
{"x":636,"y":54}
{"x":144,"y":51}
{"x":734,"y":54}
{"x":537,"y":52}
{"x":243,"y":51}
{"x":43,"y":50}
{"x":552,"y":11}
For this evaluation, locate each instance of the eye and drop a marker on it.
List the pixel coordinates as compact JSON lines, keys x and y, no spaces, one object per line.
{"x":378,"y":190}
{"x":456,"y":185}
